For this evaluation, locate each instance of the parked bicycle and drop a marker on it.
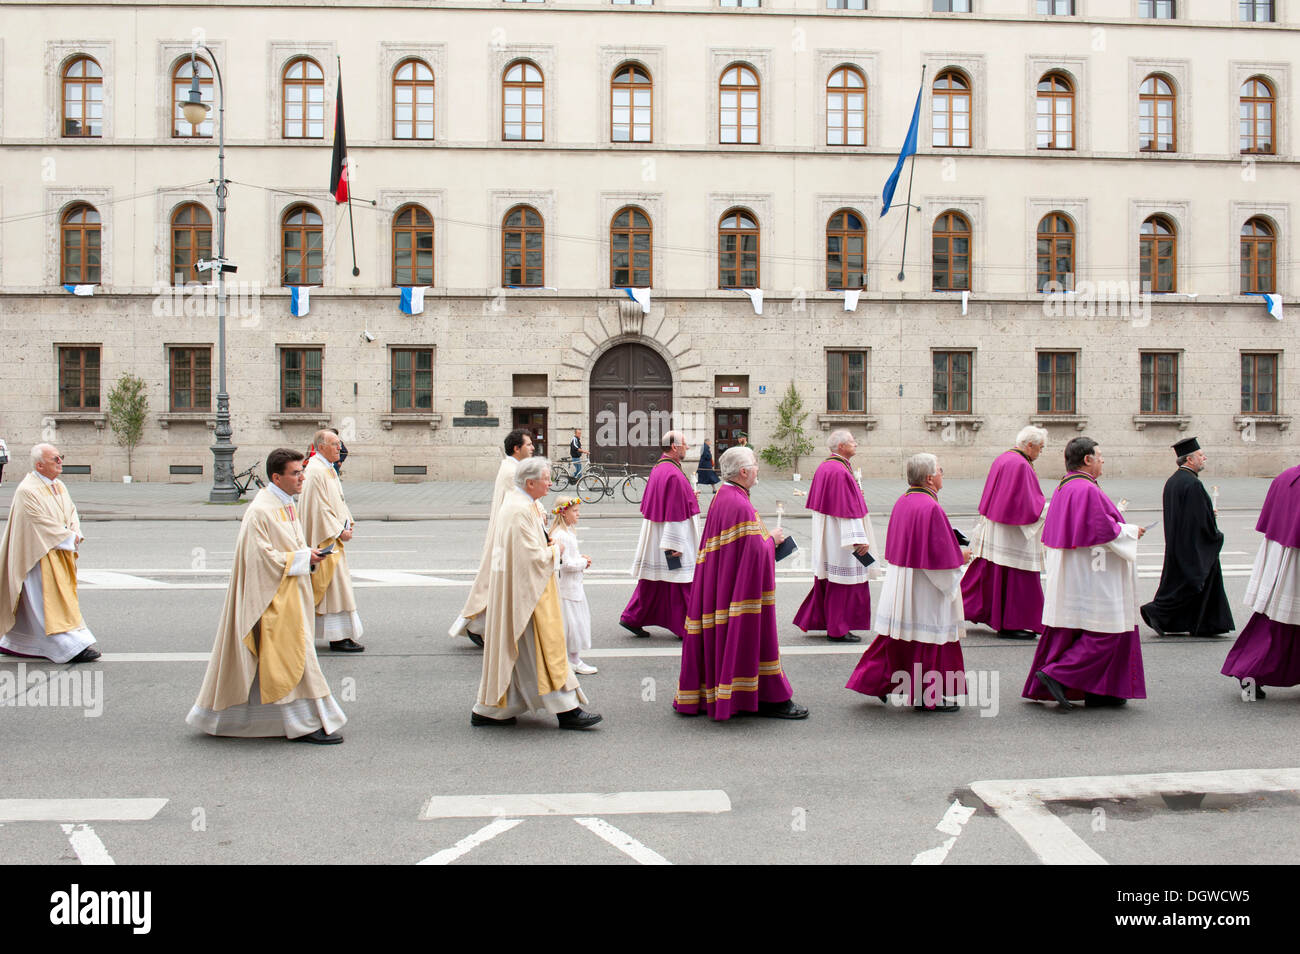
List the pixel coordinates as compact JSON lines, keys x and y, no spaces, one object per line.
{"x":248,"y":478}
{"x":632,"y":484}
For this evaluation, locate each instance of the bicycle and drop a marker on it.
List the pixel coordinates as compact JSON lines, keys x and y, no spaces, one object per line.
{"x":632,"y":484}
{"x":593,"y":485}
{"x":249,"y":478}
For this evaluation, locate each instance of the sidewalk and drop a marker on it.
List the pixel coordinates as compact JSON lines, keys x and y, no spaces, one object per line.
{"x":468,"y":500}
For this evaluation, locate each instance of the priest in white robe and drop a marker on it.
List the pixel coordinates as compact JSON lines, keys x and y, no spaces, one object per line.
{"x":263,"y":678}
{"x":40,"y":615}
{"x":327,"y":525}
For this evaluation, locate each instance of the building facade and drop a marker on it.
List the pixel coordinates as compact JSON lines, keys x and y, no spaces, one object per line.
{"x":1100,"y":202}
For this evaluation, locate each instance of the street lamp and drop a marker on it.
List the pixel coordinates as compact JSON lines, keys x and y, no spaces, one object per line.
{"x":223,"y":451}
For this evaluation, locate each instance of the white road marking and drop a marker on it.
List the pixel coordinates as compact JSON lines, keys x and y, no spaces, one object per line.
{"x":398,"y":578}
{"x":470,"y":842}
{"x":951,"y":824}
{"x":576,"y":803}
{"x":79,"y":809}
{"x":1022,"y":802}
{"x":87,"y":845}
{"x":623,"y":842}
{"x":115,"y":580}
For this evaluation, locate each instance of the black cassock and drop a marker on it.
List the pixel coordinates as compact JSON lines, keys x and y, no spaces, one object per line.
{"x":1191,"y":597}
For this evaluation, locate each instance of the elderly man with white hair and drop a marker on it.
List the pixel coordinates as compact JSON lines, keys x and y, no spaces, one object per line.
{"x":1002,"y":588}
{"x":525,"y":657}
{"x":840,"y":599}
{"x":39,"y":612}
{"x":327,"y":524}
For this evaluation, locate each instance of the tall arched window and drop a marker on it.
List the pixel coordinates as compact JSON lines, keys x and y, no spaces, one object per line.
{"x":303,"y":101}
{"x":1055,"y":253}
{"x":412,"y":247}
{"x":191,"y":241}
{"x":738,"y":102}
{"x":1055,"y":116}
{"x":302,"y":249}
{"x":1158,"y":253}
{"x":630,"y":94}
{"x":950,"y":258}
{"x":952,"y":113}
{"x":846,"y":108}
{"x":1157,"y":109}
{"x":846,"y":251}
{"x":1258,"y":257}
{"x":79,"y":245}
{"x":522,"y":248}
{"x":738,"y":250}
{"x":522,"y":97}
{"x":413,"y":100}
{"x":83,"y":98}
{"x":630,"y":249}
{"x":1256,"y":116}
{"x":181,"y":81}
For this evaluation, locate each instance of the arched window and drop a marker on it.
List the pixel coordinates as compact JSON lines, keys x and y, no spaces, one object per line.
{"x":846,"y":251}
{"x":181,"y":81}
{"x":412,"y":247}
{"x":522,"y":97}
{"x":950,"y":258}
{"x":1158,"y":252}
{"x":630,"y":94}
{"x":1258,"y":257}
{"x":1256,"y":116}
{"x":80,"y":248}
{"x":522,"y":248}
{"x":303,"y":103}
{"x":83,"y":98}
{"x":630,"y":248}
{"x":1055,"y":116}
{"x":738,"y":250}
{"x":846,"y":108}
{"x":302,"y":249}
{"x":1055,"y":253}
{"x":738,"y":99}
{"x":413,"y":100}
{"x":191,"y":241}
{"x":952,"y":113}
{"x":1157,"y":109}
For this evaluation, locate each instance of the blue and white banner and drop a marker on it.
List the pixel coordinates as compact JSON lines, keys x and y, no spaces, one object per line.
{"x":413,"y":300}
{"x":299,"y":300}
{"x":755,"y":298}
{"x":909,"y":149}
{"x":641,"y":296}
{"x":82,"y":290}
{"x":1274,"y":303}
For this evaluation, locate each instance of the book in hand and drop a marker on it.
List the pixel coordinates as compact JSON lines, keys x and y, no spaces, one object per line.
{"x":962,"y":539}
{"x":674,"y":560}
{"x":866,"y":559}
{"x":786,"y":547}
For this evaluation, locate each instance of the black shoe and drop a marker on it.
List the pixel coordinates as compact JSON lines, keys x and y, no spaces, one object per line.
{"x":577,"y":719}
{"x":1017,"y":634}
{"x":475,"y":638}
{"x":636,"y":630}
{"x":89,"y":654}
{"x":1055,"y":688}
{"x":1156,"y":629}
{"x":476,"y":719}
{"x":1252,"y":693}
{"x":846,"y":638}
{"x":782,"y":710}
{"x":944,"y":707}
{"x":320,"y":737}
{"x":348,"y":645}
{"x":1096,"y":700}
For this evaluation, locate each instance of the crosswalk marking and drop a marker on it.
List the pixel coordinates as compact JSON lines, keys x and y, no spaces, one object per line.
{"x":79,"y":809}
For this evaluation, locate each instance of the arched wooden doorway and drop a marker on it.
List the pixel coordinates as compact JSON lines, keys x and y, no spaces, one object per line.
{"x":631,"y":406}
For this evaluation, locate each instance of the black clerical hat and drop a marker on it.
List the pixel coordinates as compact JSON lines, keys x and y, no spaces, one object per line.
{"x":1185,"y":447}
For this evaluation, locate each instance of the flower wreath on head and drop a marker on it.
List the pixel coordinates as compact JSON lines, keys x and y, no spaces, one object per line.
{"x":564,"y":504}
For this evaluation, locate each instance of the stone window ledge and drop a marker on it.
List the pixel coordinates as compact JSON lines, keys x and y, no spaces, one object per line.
{"x":1280,"y":421}
{"x":858,"y":419}
{"x":319,"y":418}
{"x":206,"y":418}
{"x":1143,"y":421}
{"x":1044,"y":420}
{"x":935,"y":421}
{"x":387,"y":421}
{"x":98,"y":418}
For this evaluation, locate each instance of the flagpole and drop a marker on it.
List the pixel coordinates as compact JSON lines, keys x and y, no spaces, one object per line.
{"x":352,"y":225}
{"x":902,"y":262}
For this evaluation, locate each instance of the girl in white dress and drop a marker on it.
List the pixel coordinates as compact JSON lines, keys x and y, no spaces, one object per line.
{"x":573,"y":599}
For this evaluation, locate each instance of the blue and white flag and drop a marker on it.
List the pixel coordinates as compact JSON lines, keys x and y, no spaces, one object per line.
{"x":641,"y":296}
{"x":1274,"y":303}
{"x":413,"y":300}
{"x":755,"y":298}
{"x":909,"y":149}
{"x":82,"y":290}
{"x":299,"y":300}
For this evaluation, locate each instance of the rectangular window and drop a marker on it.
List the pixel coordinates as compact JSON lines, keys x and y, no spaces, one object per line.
{"x":846,"y":4}
{"x":190,"y":384}
{"x":951,"y":6}
{"x":1160,"y":383}
{"x":738,"y":3}
{"x":300,"y":379}
{"x":412,"y":379}
{"x":1056,"y":371}
{"x":1258,"y":383}
{"x":1255,"y":11}
{"x":952,"y":381}
{"x":633,"y":3}
{"x":1156,"y":9}
{"x":79,"y":379}
{"x":846,"y":381}
{"x":1056,"y":8}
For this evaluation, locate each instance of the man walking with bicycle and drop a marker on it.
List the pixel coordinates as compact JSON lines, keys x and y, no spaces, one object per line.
{"x":576,"y":453}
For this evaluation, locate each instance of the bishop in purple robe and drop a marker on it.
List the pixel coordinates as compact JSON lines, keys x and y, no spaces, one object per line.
{"x":1267,"y":651}
{"x":840,"y":599}
{"x":665,"y":553}
{"x":731,"y":660}
{"x":1090,"y":648}
{"x":916,"y":656}
{"x":1001,"y":587}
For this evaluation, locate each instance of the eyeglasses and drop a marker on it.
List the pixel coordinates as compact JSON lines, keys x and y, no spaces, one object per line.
{"x":54,"y":460}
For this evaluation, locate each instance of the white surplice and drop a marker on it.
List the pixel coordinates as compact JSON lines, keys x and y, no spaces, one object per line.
{"x":651,"y":563}
{"x":922,"y":606}
{"x":833,"y":540}
{"x":1017,"y":547}
{"x":1093,"y":588}
{"x":1274,"y":587}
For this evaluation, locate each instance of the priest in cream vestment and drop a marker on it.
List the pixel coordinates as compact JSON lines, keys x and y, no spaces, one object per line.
{"x":39,"y":612}
{"x":326,"y":523}
{"x":263,"y":678}
{"x":525,"y":657}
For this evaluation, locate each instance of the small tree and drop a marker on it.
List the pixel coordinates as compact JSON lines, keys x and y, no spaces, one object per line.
{"x":128,"y":406}
{"x":789,"y":442}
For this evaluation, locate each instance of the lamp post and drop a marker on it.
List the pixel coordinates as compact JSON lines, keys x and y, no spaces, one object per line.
{"x":223,"y":451}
